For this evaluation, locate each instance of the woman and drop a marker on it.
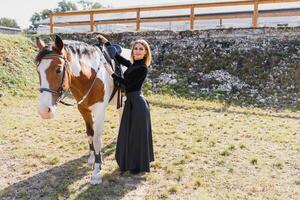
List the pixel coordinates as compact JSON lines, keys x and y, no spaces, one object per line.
{"x":134,"y":150}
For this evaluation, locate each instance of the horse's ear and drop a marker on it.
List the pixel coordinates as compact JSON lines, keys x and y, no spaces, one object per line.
{"x":59,"y":45}
{"x":40,"y":43}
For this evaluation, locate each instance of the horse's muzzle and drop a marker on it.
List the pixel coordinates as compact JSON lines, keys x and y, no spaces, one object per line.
{"x":46,"y":112}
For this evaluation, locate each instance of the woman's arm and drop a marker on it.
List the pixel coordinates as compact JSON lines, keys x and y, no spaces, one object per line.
{"x":135,"y":77}
{"x":120,"y":58}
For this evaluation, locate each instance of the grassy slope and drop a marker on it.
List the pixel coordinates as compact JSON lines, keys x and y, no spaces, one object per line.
{"x":17,"y":69}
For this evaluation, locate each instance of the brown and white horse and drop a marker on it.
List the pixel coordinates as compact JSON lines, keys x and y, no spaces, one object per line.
{"x":78,"y":67}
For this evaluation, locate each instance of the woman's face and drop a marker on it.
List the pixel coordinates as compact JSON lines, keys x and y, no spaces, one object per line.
{"x":139,"y":51}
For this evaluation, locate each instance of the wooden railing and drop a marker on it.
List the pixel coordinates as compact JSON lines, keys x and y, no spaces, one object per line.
{"x":191,"y":18}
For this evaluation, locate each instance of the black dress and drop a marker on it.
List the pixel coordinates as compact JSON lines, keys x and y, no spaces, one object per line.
{"x":134,"y":150}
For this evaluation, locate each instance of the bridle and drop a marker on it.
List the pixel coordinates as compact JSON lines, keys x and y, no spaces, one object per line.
{"x":61,"y":92}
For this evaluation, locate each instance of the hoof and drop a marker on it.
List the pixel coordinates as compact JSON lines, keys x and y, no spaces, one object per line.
{"x":96,"y":182}
{"x":96,"y":179}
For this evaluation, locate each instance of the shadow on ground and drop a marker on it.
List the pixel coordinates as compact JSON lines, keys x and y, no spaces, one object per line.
{"x":55,"y":183}
{"x":187,"y":107}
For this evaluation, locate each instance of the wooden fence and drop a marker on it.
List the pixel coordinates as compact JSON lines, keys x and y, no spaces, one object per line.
{"x":191,"y":17}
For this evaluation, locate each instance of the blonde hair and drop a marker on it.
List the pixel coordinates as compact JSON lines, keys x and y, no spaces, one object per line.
{"x":145,"y":44}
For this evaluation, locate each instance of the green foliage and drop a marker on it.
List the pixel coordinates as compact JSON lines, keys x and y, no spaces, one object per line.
{"x":87,"y":5}
{"x":96,"y":5}
{"x":63,"y":6}
{"x":37,"y":16}
{"x":225,"y":153}
{"x":17,"y":70}
{"x":147,"y":88}
{"x":254,"y":161}
{"x":8,"y":22}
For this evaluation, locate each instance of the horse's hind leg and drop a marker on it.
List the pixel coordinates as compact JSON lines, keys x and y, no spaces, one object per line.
{"x":87,"y":116}
{"x":98,"y":111}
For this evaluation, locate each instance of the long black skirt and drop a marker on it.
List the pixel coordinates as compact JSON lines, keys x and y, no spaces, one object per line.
{"x":134,"y":146}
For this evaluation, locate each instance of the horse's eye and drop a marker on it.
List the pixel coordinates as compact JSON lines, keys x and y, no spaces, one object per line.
{"x":58,"y":70}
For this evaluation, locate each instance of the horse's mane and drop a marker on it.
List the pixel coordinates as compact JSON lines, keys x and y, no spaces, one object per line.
{"x":80,"y":48}
{"x":44,"y":52}
{"x":74,"y":47}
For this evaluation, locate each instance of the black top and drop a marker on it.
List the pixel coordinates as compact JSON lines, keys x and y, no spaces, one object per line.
{"x":134,"y":76}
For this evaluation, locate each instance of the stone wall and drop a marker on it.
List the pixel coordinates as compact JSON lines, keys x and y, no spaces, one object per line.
{"x":247,"y":66}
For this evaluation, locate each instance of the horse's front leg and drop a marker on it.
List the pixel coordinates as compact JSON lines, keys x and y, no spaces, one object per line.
{"x":98,"y":111}
{"x":88,"y":118}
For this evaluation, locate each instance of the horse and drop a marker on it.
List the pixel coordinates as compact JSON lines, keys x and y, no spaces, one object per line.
{"x":79,"y":68}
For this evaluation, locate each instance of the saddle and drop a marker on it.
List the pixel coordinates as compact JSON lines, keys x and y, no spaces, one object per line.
{"x":109,"y":55}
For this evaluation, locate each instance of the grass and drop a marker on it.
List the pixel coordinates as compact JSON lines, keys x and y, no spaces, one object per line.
{"x":17,"y":70}
{"x":199,"y":147}
{"x":203,"y":149}
{"x":254,"y":161}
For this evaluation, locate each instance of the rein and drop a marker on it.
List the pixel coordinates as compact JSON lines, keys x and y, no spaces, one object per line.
{"x":117,"y":88}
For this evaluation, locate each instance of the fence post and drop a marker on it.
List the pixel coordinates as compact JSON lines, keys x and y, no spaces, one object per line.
{"x":92,"y":22}
{"x":51,"y":23}
{"x":192,"y":18}
{"x":255,"y":14}
{"x":138,"y":19}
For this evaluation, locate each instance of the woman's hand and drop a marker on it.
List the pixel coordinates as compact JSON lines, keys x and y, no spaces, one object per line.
{"x":101,"y":38}
{"x":108,"y":69}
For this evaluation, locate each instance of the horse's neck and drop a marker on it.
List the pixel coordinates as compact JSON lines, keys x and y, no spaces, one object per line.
{"x":84,"y":68}
{"x":81,"y":63}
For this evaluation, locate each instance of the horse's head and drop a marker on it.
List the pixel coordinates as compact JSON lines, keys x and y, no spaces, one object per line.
{"x":53,"y":69}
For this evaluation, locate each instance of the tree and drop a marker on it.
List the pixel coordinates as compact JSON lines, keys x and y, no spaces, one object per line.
{"x":64,"y":6}
{"x":97,"y":5}
{"x":44,"y":14}
{"x":8,"y":22}
{"x":87,"y":5}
